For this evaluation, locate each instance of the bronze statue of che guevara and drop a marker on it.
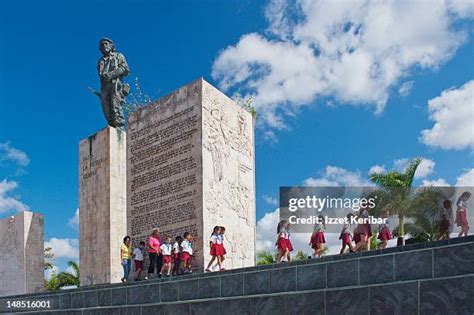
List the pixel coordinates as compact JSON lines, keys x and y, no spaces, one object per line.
{"x":112,"y":68}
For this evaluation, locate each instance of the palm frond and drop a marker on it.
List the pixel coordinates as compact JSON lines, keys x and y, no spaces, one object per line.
{"x":410,"y":171}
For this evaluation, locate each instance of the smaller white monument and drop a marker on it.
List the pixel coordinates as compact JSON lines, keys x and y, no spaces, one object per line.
{"x":22,"y":254}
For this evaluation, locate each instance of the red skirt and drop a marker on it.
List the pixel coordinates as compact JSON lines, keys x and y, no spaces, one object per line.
{"x":284,"y":244}
{"x":138,"y":264}
{"x":214,"y":249}
{"x":346,"y":238}
{"x":461,"y":218}
{"x":221,"y":250}
{"x":185,"y":257}
{"x":176,"y":257}
{"x":166,"y":259}
{"x":385,"y":234}
{"x":358,"y":237}
{"x":444,"y":226}
{"x":317,"y":238}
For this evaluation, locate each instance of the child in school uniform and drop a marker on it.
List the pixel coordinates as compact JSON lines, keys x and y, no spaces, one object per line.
{"x":165,"y":250}
{"x":346,"y":236}
{"x":461,"y":213}
{"x":220,"y":247}
{"x":318,"y":240}
{"x":283,"y":242}
{"x":445,"y":220}
{"x":176,"y":254}
{"x":138,"y":260}
{"x":214,"y":251}
{"x":384,"y":231}
{"x":362,"y":232}
{"x":187,"y":252}
{"x":368,"y":228}
{"x":444,"y":227}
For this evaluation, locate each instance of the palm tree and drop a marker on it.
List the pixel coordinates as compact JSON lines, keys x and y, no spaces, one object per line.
{"x":65,"y":278}
{"x":265,"y":258}
{"x":395,"y":193}
{"x":425,"y":215}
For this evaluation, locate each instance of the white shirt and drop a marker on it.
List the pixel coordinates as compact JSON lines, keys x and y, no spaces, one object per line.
{"x":345,"y":229}
{"x":220,"y":239}
{"x":138,"y":254}
{"x":176,"y":248}
{"x":166,"y":249}
{"x":383,"y":225}
{"x":284,"y":234}
{"x":187,"y":247}
{"x":462,"y":204}
{"x":214,"y":239}
{"x":318,"y":228}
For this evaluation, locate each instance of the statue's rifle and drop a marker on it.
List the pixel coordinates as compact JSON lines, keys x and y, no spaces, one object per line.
{"x":95,"y":92}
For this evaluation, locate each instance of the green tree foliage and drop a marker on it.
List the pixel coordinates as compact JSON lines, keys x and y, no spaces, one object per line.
{"x":265,"y":258}
{"x":395,"y":193}
{"x":300,"y":255}
{"x":246,"y":103}
{"x":64,"y":279}
{"x":424,"y":213}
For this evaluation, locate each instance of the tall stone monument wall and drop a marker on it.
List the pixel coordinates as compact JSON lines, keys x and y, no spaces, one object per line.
{"x":102,"y":205}
{"x":190,"y":166}
{"x":228,"y":177}
{"x":22,"y":258}
{"x":165,"y":166}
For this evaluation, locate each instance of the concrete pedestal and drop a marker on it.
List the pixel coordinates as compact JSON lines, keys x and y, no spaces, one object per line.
{"x":102,"y":205}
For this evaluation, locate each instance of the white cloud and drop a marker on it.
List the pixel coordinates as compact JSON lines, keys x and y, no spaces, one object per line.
{"x":74,"y":221}
{"x":453,"y":116}
{"x":405,"y":88}
{"x":270,"y":200}
{"x":338,"y":176}
{"x":466,"y":179}
{"x":70,"y":270}
{"x":56,"y":269}
{"x":463,"y":8}
{"x":440,"y":182}
{"x":49,"y":272}
{"x":425,"y":168}
{"x":270,"y":136}
{"x":8,"y":202}
{"x":9,"y":153}
{"x":63,"y":247}
{"x":355,"y":52}
{"x":266,"y":230}
{"x":400,"y":165}
{"x":376,"y":169}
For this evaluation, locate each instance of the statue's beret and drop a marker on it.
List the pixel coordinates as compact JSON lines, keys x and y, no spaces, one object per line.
{"x":105,"y":39}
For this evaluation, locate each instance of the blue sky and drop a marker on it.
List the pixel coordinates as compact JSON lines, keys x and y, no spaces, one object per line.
{"x":336,"y":94}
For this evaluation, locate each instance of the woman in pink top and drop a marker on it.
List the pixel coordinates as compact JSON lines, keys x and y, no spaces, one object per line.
{"x":154,"y":242}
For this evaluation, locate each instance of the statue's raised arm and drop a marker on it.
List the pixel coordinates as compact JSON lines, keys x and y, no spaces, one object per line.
{"x":112,"y":68}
